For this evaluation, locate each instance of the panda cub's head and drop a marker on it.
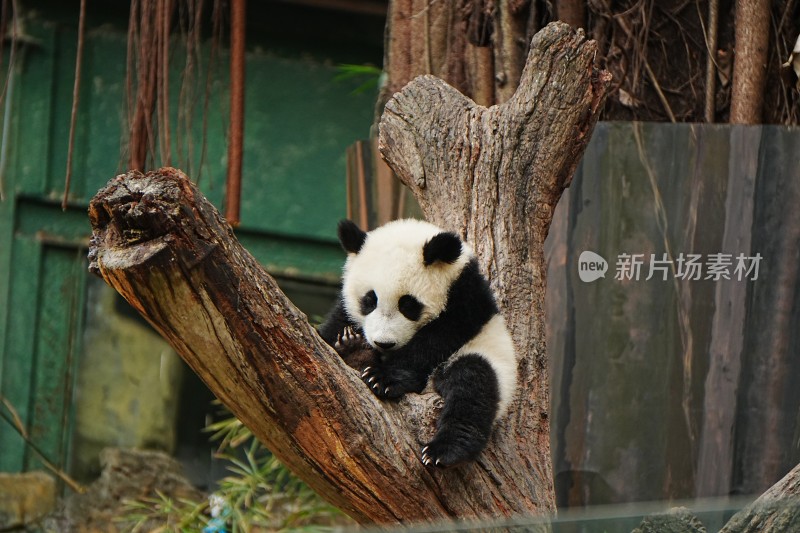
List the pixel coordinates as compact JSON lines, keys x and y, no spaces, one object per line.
{"x":397,"y":277}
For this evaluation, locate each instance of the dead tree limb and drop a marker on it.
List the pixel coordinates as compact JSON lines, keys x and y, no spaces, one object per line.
{"x":777,"y":510}
{"x":493,"y":174}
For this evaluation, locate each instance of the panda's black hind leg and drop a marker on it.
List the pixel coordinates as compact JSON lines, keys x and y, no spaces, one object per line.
{"x":470,"y":392}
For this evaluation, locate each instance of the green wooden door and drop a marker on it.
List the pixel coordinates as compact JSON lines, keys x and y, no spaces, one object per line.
{"x":43,"y":313}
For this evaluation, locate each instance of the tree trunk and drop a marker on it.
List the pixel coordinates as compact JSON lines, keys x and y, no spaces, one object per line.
{"x":573,"y":12}
{"x":750,"y":61}
{"x":477,"y":46}
{"x":494,"y":175}
{"x":776,"y":511}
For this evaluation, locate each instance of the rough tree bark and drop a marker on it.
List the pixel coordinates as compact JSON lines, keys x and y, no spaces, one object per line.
{"x":477,"y":46}
{"x":776,"y":511}
{"x":750,"y":61}
{"x":492,"y":174}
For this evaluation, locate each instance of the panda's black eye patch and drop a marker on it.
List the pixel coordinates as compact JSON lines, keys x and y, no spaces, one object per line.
{"x":410,"y":307}
{"x":369,"y":302}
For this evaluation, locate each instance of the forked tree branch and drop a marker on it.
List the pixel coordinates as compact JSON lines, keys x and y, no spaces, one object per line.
{"x":494,"y":175}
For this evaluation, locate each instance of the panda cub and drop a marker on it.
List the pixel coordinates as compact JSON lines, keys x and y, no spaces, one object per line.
{"x":414,"y":306}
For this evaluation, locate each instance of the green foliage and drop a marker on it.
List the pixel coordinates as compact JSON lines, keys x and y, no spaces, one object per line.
{"x":172,"y":515}
{"x":260,"y":494}
{"x":371,"y":76}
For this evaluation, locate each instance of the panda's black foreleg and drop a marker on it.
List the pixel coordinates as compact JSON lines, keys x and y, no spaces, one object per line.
{"x":391,"y":380}
{"x":334,"y":323}
{"x":470,"y":392}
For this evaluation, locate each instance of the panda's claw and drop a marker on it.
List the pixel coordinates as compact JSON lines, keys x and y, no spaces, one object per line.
{"x":386,"y":383}
{"x":449,"y":448}
{"x":424,"y":458}
{"x":348,"y":339}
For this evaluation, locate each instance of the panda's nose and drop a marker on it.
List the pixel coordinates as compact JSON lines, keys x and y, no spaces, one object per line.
{"x":384,"y":345}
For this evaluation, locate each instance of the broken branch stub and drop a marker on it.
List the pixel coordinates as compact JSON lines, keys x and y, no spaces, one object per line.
{"x":170,"y":254}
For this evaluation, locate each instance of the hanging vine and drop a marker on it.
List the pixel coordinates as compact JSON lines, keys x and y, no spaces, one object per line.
{"x":75,"y":99}
{"x":155,"y":27}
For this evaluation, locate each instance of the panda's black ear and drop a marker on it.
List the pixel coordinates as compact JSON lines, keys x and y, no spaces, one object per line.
{"x":445,"y":247}
{"x":351,"y":236}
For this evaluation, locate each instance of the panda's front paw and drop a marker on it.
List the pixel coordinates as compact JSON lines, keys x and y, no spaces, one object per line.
{"x":348,"y":340}
{"x":453,"y":447}
{"x":356,"y":352}
{"x":385,"y":384}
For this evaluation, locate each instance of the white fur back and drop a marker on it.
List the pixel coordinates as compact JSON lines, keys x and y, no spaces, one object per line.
{"x":493,"y":343}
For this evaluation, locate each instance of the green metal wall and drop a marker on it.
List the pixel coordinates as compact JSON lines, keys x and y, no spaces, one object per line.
{"x":298,"y":123}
